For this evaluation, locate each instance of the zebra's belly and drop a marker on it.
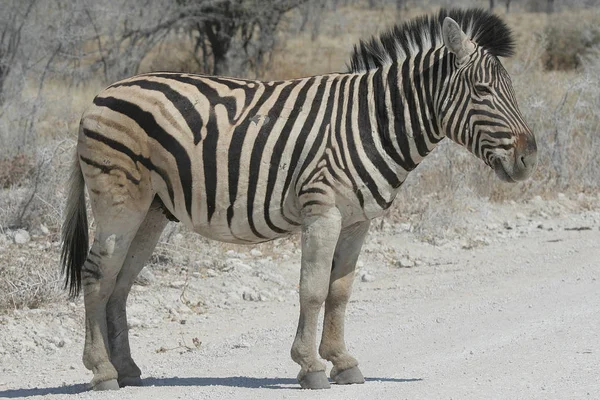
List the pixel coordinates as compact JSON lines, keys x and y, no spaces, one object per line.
{"x":238,"y":225}
{"x":241,"y":231}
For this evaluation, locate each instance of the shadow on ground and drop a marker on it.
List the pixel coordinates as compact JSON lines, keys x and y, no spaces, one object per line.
{"x":232,"y":381}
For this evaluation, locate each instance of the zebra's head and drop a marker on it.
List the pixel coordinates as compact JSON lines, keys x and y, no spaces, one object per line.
{"x":479,"y":108}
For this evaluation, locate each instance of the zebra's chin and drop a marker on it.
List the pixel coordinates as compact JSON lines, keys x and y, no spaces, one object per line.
{"x":501,"y":172}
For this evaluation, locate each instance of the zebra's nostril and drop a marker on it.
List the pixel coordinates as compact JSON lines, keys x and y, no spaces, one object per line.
{"x":522,"y":159}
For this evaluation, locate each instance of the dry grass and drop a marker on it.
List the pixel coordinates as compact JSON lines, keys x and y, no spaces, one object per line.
{"x":29,"y":277}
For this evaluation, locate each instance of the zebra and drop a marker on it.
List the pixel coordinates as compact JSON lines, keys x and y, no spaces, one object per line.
{"x":246,"y":161}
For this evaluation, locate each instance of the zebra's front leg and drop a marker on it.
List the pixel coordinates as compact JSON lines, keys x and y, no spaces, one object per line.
{"x":319,"y":237}
{"x":333,"y":347}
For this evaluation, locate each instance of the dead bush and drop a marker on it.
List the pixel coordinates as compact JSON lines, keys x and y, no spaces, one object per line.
{"x":29,"y":276}
{"x":15,"y":170}
{"x":568,"y":39}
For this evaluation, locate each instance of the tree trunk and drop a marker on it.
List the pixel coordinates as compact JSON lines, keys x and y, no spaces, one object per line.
{"x":492,"y":4}
{"x":399,"y":6}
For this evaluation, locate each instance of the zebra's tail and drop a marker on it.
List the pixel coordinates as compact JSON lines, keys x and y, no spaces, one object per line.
{"x":74,"y":233}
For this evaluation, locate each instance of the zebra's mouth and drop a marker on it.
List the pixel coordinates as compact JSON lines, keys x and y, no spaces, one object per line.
{"x":500,"y":171}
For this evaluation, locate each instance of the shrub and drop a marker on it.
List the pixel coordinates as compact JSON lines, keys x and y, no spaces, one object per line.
{"x":568,"y":39}
{"x":15,"y":170}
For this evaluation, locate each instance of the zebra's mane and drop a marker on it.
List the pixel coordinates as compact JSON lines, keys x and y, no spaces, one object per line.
{"x":422,"y":33}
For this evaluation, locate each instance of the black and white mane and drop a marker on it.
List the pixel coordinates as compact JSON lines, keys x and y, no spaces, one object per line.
{"x":422,"y":33}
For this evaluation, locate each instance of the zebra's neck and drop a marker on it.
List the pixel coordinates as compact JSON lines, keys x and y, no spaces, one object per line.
{"x":396,"y":114}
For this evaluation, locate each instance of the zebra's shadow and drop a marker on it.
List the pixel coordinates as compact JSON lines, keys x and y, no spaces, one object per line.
{"x":248,"y":382}
{"x":231,"y":381}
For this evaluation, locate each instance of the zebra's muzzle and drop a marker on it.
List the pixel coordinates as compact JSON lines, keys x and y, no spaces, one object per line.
{"x":519,"y":167}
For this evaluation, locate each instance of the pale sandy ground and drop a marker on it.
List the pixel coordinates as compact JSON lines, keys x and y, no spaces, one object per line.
{"x":513,"y":313}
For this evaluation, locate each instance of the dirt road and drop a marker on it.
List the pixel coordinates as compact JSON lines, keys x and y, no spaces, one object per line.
{"x":516,"y":318}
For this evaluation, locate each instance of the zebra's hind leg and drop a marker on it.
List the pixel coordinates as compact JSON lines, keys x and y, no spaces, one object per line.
{"x":99,"y":274}
{"x":319,"y":237}
{"x":140,"y":250}
{"x":333,"y":347}
{"x":118,"y":210}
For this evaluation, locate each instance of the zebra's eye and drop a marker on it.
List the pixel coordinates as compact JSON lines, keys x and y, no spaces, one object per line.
{"x":483,"y":90}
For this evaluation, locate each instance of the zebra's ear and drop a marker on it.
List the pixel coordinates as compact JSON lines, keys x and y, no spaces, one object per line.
{"x":456,"y":40}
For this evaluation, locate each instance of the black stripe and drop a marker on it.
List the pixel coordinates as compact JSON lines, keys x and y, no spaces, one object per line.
{"x":408,"y":80}
{"x":305,"y":131}
{"x":366,"y":133}
{"x":352,"y":148}
{"x":183,"y":105}
{"x":106,"y":169}
{"x":257,"y":151}
{"x":209,"y":161}
{"x":399,"y":127}
{"x":337,"y":130}
{"x":147,"y":122}
{"x":146,"y":162}
{"x":312,"y":190}
{"x":278,"y":149}
{"x":313,"y":203}
{"x":424,"y":99}
{"x":383,"y":122}
{"x":235,"y":150}
{"x":211,"y":94}
{"x":91,"y":269}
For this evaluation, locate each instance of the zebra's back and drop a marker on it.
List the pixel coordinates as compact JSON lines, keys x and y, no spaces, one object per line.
{"x":224,"y":155}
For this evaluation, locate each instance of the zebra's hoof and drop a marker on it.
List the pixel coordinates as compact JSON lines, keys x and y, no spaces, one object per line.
{"x":110,"y":384}
{"x":348,"y":376}
{"x":314,"y":380}
{"x":130,"y":381}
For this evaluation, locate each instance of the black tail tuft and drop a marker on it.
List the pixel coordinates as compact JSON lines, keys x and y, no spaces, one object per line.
{"x":75,"y":240}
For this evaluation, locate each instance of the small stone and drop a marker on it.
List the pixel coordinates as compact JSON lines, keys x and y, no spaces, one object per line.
{"x":366,"y":277}
{"x":233,"y":295}
{"x":264,"y":296}
{"x":177,"y":284}
{"x":241,"y":345}
{"x":250,"y":295}
{"x":134,"y":323}
{"x":145,"y":277}
{"x":242,"y":267}
{"x":183,"y":309}
{"x":255,"y":253}
{"x":405,"y":262}
{"x":22,"y":236}
{"x":44,"y":229}
{"x":211,"y":273}
{"x":404,"y":227}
